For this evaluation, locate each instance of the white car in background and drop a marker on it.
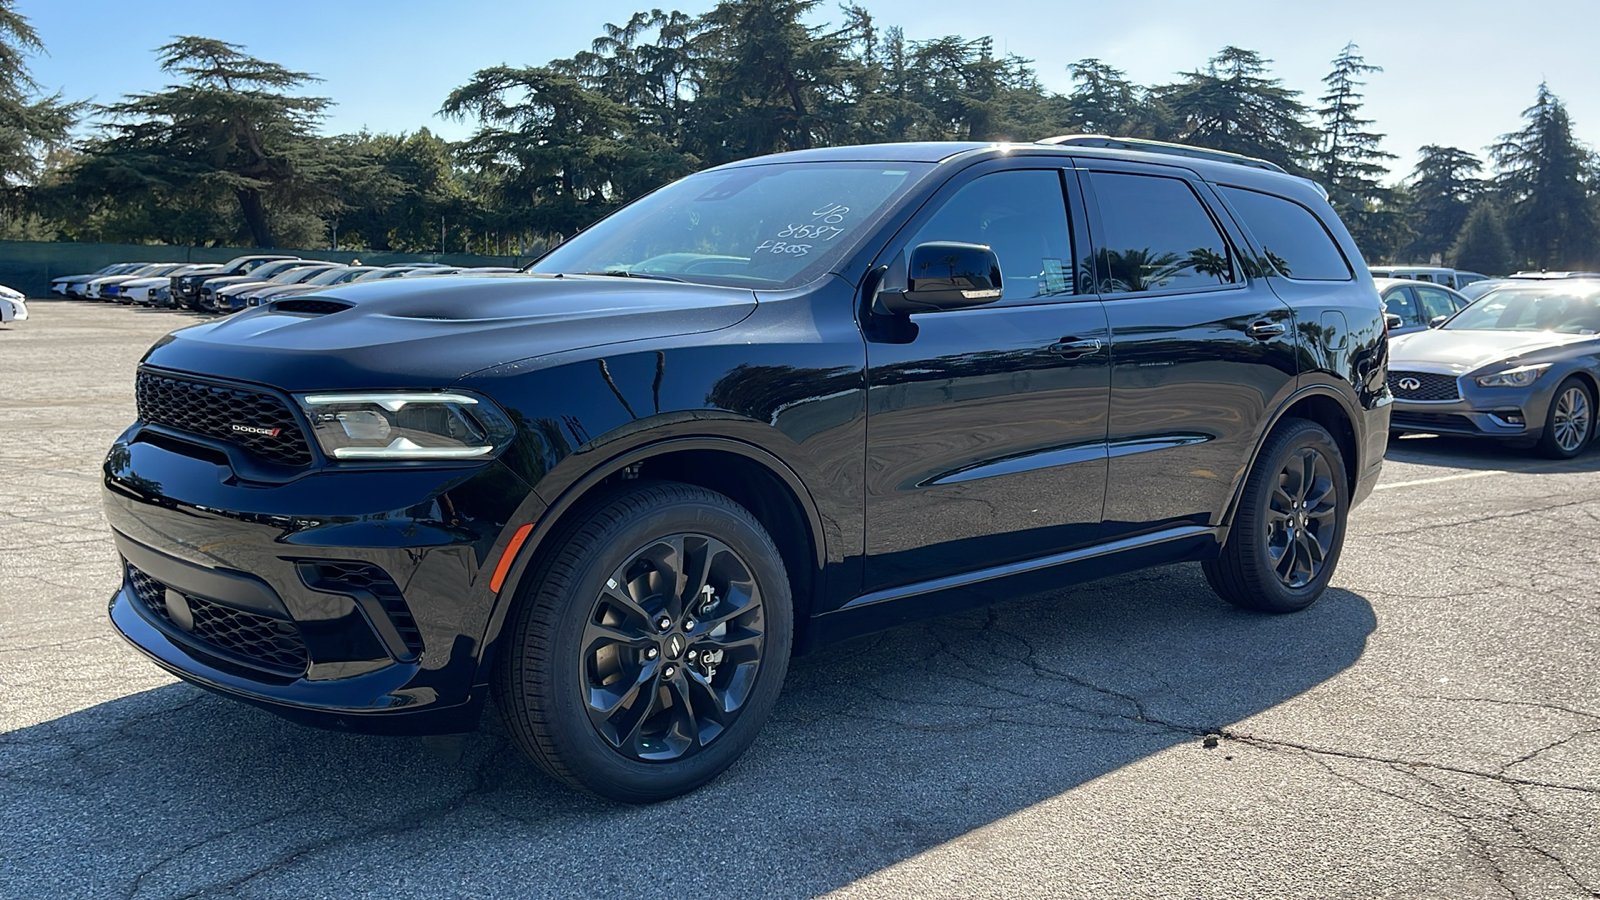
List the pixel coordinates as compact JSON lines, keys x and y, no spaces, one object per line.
{"x":142,"y":290}
{"x":97,"y":289}
{"x":72,"y":285}
{"x":13,"y":307}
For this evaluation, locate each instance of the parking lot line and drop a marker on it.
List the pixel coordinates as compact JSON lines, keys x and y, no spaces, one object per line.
{"x":1458,"y":477}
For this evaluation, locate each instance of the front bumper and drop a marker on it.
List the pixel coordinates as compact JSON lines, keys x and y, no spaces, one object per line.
{"x":345,"y":599}
{"x":1507,"y":413}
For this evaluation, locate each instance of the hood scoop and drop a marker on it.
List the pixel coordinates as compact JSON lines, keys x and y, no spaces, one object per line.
{"x":310,"y":306}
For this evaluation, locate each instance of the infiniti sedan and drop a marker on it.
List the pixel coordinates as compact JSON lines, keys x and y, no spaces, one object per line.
{"x":1521,"y":363}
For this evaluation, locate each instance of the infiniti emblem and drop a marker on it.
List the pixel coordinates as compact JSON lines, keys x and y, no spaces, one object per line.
{"x":1409,"y":384}
{"x":675,"y":646}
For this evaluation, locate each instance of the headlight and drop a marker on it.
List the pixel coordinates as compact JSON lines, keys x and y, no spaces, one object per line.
{"x":1521,"y":377}
{"x":402,"y":425}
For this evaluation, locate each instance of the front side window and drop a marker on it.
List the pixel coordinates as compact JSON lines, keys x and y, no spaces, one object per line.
{"x":1435,"y":302}
{"x":1293,"y":239}
{"x":1157,"y":236}
{"x":766,"y":227}
{"x":1022,"y":216}
{"x":1400,"y":301}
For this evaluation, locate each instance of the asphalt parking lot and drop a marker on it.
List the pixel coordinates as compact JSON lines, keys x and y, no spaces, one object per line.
{"x":1430,"y":729}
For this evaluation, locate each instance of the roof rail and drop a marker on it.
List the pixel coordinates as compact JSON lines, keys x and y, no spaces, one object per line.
{"x":1118,"y":143}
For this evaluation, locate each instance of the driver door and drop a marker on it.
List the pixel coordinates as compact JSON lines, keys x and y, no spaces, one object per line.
{"x":986,"y":426}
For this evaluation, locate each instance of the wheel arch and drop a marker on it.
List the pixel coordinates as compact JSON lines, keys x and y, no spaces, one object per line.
{"x":749,"y":475}
{"x":1326,"y":407}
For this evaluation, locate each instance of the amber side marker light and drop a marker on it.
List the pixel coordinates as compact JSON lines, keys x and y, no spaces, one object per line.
{"x":509,"y":557}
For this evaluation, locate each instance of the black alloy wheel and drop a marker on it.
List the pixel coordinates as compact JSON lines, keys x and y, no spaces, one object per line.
{"x":648,"y":644}
{"x":1288,"y":530}
{"x":1302,"y":517}
{"x":672,"y":647}
{"x":1569,"y":426}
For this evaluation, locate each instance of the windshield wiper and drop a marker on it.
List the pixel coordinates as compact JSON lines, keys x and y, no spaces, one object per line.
{"x":621,"y":273}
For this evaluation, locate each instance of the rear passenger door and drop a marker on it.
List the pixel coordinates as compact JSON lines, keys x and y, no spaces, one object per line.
{"x":1200,"y":353}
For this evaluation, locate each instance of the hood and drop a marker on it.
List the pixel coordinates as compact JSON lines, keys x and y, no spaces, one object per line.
{"x":103,"y":280}
{"x":1460,"y":351}
{"x":219,"y":282}
{"x":429,"y":332}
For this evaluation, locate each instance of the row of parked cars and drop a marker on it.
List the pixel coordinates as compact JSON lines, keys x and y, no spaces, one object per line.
{"x":235,"y":285}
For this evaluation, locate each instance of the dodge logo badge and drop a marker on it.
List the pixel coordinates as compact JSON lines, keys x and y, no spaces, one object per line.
{"x":251,"y":429}
{"x":1406,"y":384}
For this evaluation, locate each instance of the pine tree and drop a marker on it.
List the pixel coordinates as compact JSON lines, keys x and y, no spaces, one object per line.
{"x":1348,"y":160}
{"x":30,"y":127}
{"x":1443,"y":189}
{"x":1106,"y":102}
{"x":230,"y":130}
{"x":1483,"y":245}
{"x":1542,"y":175}
{"x":1231,"y":105}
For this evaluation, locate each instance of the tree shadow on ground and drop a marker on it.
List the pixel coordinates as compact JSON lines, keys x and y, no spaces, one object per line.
{"x":880,"y":748}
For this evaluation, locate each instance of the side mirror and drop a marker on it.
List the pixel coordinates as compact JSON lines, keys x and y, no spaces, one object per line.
{"x":1436,"y":321}
{"x":945,"y":275}
{"x":1393,"y":321}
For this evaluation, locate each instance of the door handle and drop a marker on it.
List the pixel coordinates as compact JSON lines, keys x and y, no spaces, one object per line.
{"x":1069,"y":347}
{"x":1263,"y":330}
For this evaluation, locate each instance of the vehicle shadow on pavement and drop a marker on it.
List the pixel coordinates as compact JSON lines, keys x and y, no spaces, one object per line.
{"x":1467,"y":453}
{"x":879,"y":749}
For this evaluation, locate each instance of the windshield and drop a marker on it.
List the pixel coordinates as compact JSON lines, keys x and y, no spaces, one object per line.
{"x":273,"y":269}
{"x":1570,"y":311}
{"x":304,"y":274}
{"x":328,"y":277}
{"x":765,"y":226}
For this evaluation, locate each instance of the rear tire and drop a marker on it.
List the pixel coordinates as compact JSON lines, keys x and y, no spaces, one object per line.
{"x":1569,"y":425}
{"x":1289,"y":528}
{"x":606,"y":679}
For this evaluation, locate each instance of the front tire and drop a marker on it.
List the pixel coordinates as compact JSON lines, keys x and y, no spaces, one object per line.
{"x":649,"y":646}
{"x":1569,"y":425}
{"x":1289,"y":528}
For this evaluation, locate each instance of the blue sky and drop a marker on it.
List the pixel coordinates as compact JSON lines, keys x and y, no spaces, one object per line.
{"x":1456,"y":73}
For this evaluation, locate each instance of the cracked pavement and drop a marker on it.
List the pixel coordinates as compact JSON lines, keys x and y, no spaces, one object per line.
{"x":1430,"y":729}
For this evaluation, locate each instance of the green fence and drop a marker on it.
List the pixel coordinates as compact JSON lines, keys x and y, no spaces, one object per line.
{"x":28,"y":266}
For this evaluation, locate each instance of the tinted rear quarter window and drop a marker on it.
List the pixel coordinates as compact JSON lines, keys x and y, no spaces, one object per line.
{"x":1294,"y":240}
{"x":1157,"y":235}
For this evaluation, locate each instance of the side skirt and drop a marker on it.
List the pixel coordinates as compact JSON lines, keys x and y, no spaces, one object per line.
{"x":909,"y":603}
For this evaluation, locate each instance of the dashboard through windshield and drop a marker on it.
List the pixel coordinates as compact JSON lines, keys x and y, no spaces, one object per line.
{"x":767,"y":227}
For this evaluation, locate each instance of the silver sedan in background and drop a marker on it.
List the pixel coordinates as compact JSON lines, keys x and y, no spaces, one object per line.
{"x":1522,"y":363}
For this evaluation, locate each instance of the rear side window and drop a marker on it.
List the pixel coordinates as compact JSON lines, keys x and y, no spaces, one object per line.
{"x":1293,"y":238}
{"x":1157,"y":236}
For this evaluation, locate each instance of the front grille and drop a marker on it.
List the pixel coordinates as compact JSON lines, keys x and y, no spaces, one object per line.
{"x":1429,"y":386}
{"x":150,"y":593}
{"x":337,"y":576}
{"x":213,"y":411}
{"x":1431,"y":421}
{"x":257,"y":640}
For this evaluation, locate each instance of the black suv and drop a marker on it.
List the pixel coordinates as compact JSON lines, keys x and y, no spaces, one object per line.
{"x":772,"y":405}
